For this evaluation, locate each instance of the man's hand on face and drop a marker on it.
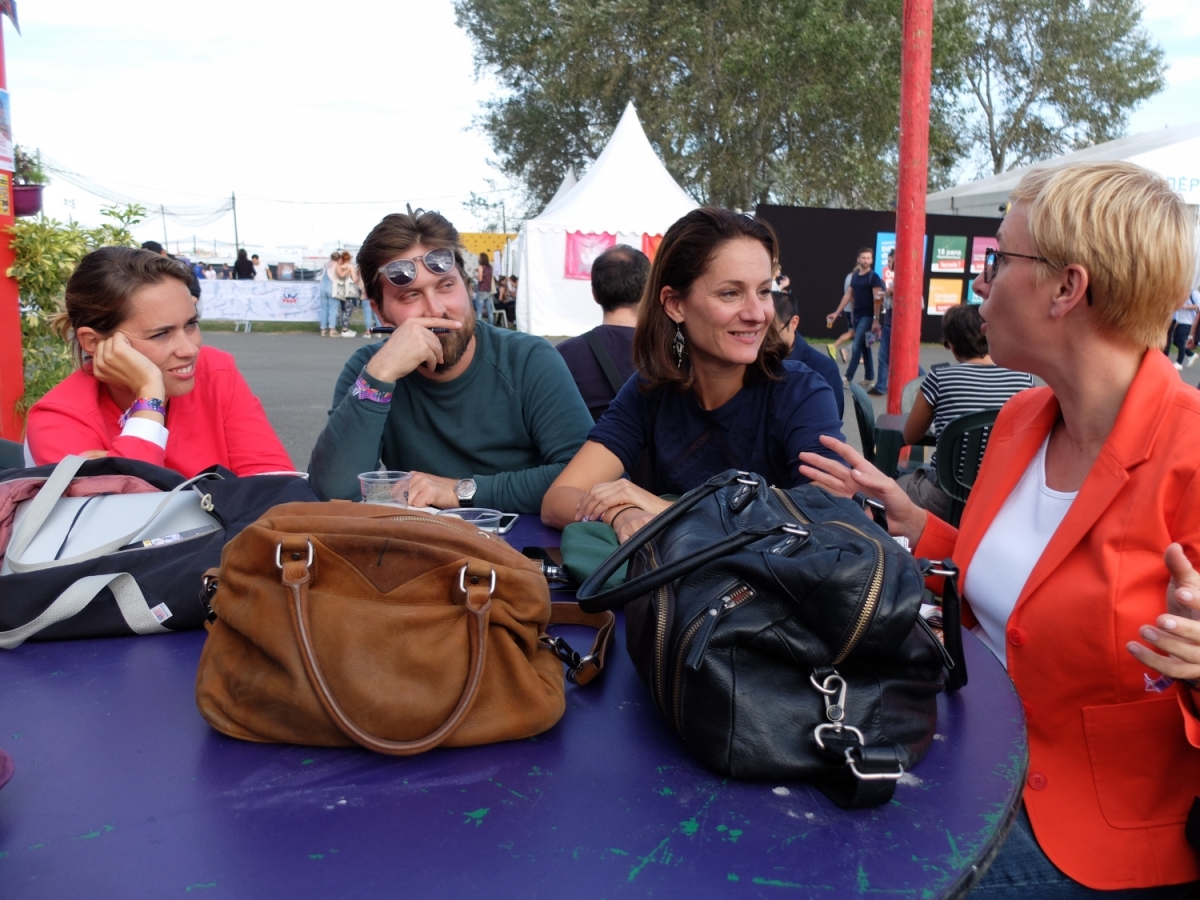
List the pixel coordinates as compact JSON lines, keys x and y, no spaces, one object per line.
{"x":411,"y":345}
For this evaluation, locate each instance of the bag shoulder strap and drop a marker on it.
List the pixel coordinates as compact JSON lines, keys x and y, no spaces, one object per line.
{"x":580,"y":669}
{"x":130,"y":601}
{"x":606,"y":361}
{"x":43,"y":504}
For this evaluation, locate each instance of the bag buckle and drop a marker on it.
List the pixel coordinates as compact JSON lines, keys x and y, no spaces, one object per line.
{"x":279,"y":555}
{"x":836,"y":732}
{"x":580,"y":669}
{"x":462,"y":581}
{"x":209,"y":588}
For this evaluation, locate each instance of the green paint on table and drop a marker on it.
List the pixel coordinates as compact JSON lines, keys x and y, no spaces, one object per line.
{"x":732,"y":877}
{"x":306,"y":762}
{"x":316,"y":856}
{"x":476,"y":816}
{"x":864,"y":883}
{"x":199,"y":887}
{"x":956,"y":860}
{"x":36,"y":846}
{"x":93,"y":834}
{"x":617,"y":851}
{"x":666,"y":792}
{"x":510,"y":790}
{"x":647,"y":859}
{"x":690,"y":826}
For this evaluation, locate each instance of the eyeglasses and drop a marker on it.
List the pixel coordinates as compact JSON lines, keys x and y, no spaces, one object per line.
{"x":993,"y":258}
{"x":403,"y":272}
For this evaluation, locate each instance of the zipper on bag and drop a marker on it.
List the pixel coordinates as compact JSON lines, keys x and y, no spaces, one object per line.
{"x":660,"y":636}
{"x":874,"y":586}
{"x":695,"y":640}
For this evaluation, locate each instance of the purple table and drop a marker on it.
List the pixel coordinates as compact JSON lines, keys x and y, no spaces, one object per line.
{"x":122,"y":790}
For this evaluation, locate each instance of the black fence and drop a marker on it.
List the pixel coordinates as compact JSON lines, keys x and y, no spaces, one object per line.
{"x":819,"y":247}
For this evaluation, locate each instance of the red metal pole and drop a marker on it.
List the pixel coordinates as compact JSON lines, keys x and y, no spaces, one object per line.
{"x":12,"y":372}
{"x":915,"y":72}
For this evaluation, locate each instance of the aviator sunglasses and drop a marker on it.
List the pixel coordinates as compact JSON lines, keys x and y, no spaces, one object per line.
{"x":403,"y":272}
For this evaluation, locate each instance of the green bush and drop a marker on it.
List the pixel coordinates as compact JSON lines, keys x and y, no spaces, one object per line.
{"x":47,"y":252}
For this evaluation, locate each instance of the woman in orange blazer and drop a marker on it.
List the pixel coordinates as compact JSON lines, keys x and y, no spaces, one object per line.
{"x":1076,"y":541}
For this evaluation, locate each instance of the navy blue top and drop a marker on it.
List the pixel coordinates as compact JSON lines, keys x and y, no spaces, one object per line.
{"x":864,"y":294}
{"x":585,"y":368}
{"x":762,"y":429}
{"x":824,"y":366}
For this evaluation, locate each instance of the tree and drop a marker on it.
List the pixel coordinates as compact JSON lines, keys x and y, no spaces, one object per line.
{"x":46,"y":252}
{"x":1051,"y":75}
{"x":789,"y":101}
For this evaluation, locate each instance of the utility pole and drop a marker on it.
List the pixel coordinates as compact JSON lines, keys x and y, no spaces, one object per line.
{"x":237,"y":244}
{"x":162,"y":211}
{"x":916,"y":63}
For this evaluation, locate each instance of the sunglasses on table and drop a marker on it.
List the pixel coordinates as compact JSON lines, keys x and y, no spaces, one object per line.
{"x":403,"y":272}
{"x":993,"y":258}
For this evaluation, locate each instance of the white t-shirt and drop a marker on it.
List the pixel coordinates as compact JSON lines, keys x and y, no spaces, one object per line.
{"x":1010,"y":549}
{"x":260,"y":272}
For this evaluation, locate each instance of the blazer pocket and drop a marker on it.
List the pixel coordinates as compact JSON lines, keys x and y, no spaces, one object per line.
{"x":1145,"y":771}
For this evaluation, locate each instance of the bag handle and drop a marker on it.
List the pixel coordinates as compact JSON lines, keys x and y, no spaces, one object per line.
{"x":43,"y":504}
{"x":592,"y":599}
{"x":130,"y":601}
{"x":580,"y":669}
{"x":952,"y":641}
{"x":296,"y":576}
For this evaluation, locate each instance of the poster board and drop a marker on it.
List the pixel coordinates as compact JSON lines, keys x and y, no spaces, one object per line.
{"x":943,"y":294}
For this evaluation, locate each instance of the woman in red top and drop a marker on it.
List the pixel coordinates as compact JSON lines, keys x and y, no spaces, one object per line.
{"x":146,"y":389}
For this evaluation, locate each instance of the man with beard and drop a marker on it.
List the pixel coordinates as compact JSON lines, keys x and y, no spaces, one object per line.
{"x":481,"y":416}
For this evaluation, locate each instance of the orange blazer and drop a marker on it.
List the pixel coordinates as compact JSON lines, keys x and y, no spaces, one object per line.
{"x":1113,"y":767}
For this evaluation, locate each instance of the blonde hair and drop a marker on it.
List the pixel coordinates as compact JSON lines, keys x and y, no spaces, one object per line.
{"x":1127,"y":228}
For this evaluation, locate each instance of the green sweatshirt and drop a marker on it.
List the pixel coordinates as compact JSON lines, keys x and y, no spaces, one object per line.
{"x":512,"y":421}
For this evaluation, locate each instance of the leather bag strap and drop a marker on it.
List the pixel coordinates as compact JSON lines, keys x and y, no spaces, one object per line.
{"x":592,"y":599}
{"x":951,"y":619}
{"x":584,"y":669}
{"x":296,"y":576}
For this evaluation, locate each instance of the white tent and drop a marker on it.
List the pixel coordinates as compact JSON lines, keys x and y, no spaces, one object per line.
{"x":627,"y":192}
{"x":1173,"y":153}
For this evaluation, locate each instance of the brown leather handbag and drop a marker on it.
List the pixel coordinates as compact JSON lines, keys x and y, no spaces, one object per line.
{"x":344,"y":623}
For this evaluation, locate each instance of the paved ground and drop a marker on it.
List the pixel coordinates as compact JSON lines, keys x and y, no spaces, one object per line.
{"x":294,"y":373}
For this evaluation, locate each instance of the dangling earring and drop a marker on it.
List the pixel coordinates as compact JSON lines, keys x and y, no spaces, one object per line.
{"x":677,"y":346}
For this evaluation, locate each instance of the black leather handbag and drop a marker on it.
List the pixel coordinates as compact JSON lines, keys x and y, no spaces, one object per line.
{"x":779,"y":632}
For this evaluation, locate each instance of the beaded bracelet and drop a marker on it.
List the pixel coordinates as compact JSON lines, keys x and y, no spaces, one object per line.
{"x":144,"y":404}
{"x":363,"y":391}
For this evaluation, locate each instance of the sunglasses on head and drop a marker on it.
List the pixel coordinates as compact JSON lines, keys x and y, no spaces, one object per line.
{"x":403,"y":272}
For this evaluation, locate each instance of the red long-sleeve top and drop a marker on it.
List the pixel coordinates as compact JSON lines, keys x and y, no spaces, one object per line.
{"x":219,"y":422}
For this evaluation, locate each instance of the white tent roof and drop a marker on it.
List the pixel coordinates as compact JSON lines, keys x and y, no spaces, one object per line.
{"x":1173,"y":153}
{"x":626,"y":190}
{"x":568,"y":184}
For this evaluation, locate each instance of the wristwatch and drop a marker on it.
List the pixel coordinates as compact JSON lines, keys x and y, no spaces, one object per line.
{"x":465,"y":490}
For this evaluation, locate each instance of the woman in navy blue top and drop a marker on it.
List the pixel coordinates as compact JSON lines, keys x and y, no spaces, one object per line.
{"x":713,"y":389}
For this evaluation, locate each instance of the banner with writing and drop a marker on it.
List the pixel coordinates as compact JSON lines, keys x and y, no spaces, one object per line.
{"x":260,"y":301}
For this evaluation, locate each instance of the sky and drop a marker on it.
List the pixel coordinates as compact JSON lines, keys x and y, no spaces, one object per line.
{"x":320,"y":117}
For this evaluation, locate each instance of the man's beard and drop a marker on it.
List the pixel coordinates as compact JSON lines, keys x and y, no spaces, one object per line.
{"x":454,"y":344}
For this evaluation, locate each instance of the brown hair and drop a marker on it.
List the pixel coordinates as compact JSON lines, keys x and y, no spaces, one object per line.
{"x":98,"y":292}
{"x":397,"y":233}
{"x":684,"y":255}
{"x":962,"y":332}
{"x":1127,"y":228}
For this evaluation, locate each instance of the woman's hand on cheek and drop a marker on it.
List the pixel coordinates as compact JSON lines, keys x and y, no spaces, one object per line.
{"x":118,"y":363}
{"x":1177,"y":632}
{"x":845,"y":479}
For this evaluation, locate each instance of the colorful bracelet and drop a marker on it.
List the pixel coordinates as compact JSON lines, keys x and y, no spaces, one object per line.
{"x":144,"y":404}
{"x":363,"y":391}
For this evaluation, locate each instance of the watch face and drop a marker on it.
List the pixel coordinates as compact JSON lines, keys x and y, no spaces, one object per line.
{"x":465,"y":489}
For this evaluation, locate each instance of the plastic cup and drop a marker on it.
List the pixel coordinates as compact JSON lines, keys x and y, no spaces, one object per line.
{"x":389,"y":488}
{"x":481,"y":518}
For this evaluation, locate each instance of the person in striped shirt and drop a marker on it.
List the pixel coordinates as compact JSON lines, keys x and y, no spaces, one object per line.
{"x":974,"y":384}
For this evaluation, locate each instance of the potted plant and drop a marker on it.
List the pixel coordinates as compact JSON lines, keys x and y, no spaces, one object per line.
{"x":28,"y":179}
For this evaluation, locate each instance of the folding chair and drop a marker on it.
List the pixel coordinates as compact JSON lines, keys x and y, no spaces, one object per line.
{"x":959,"y":452}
